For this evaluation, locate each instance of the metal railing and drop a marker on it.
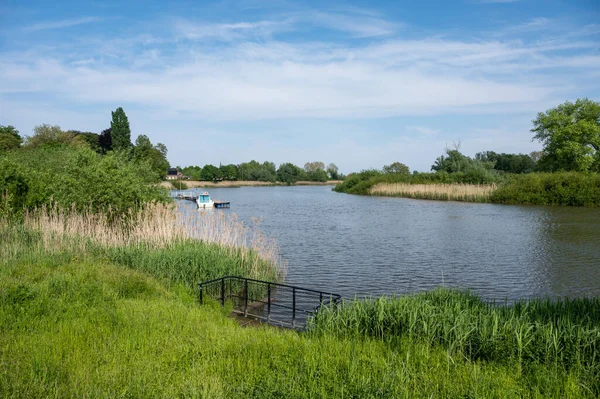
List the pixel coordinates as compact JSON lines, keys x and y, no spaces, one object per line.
{"x":280,"y":304}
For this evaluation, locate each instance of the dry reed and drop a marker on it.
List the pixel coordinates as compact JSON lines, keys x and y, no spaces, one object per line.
{"x":446,"y":192}
{"x":156,"y":226}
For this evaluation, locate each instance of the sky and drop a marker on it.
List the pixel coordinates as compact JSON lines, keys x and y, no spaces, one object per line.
{"x":360,"y":84}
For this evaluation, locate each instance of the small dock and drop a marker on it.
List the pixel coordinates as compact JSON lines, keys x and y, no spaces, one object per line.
{"x":222,"y":204}
{"x":189,"y":197}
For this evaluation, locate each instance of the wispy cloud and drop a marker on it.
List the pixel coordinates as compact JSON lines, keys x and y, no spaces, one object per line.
{"x":65,"y":23}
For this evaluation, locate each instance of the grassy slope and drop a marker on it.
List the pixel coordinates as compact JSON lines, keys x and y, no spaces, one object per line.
{"x":89,"y":326}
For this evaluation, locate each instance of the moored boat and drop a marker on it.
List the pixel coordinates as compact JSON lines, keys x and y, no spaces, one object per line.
{"x":204,"y":201}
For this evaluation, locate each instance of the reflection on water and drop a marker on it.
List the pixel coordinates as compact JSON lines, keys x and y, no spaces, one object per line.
{"x":356,"y":245}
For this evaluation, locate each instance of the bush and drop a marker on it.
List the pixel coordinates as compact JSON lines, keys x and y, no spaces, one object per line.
{"x":77,"y":178}
{"x":566,"y":188}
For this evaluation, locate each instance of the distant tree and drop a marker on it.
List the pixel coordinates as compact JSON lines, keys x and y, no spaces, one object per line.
{"x":120,"y":131}
{"x":105,"y":140}
{"x":509,"y":163}
{"x":332,"y":169}
{"x":535,"y":156}
{"x":314,"y":166}
{"x":210,"y":172}
{"x":193,"y":172}
{"x":230,"y":172}
{"x":289,"y":173}
{"x":92,"y":139}
{"x":454,"y":161}
{"x":145,"y":152}
{"x":53,"y":135}
{"x":9,"y":138}
{"x":317,"y":175}
{"x":570,"y":134}
{"x":397,"y":168}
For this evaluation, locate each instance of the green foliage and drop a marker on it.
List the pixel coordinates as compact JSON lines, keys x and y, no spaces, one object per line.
{"x":150,"y":156}
{"x":333,"y":171}
{"x":9,"y":138}
{"x":120,"y":131}
{"x":105,"y":141}
{"x":566,"y":188}
{"x":570,"y":134}
{"x":359,"y":183}
{"x":13,"y":189}
{"x":74,"y":327}
{"x":48,"y":135}
{"x":79,"y":178}
{"x":289,"y":173}
{"x":210,"y":172}
{"x":397,"y":167}
{"x":229,"y":172}
{"x":255,"y":171}
{"x":509,"y":163}
{"x":530,"y":335}
{"x":92,"y":139}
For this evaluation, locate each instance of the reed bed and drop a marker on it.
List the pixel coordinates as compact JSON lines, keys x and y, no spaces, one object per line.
{"x":560,"y":335}
{"x":185,"y":248}
{"x":442,"y":192}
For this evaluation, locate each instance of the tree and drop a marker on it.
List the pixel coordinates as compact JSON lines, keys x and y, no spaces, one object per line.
{"x":120,"y":132}
{"x":289,"y":173}
{"x":92,"y":139}
{"x":53,"y":135}
{"x":314,"y":166}
{"x":9,"y":138}
{"x":397,"y":168}
{"x":570,"y":134}
{"x":210,"y":172}
{"x":509,"y":163}
{"x":332,"y":169}
{"x":105,"y":141}
{"x":230,"y":172}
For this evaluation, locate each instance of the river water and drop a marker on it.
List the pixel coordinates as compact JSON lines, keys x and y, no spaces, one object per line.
{"x":363,"y":246}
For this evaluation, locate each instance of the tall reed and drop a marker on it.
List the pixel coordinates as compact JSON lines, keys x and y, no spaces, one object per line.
{"x":563,"y":335}
{"x":182,"y":247}
{"x":444,"y":192}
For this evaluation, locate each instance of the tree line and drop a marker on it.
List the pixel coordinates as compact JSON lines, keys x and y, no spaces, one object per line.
{"x":116,"y":138}
{"x":266,"y":172}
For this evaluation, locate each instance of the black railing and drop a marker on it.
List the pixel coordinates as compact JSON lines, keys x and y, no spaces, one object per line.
{"x":280,"y":304}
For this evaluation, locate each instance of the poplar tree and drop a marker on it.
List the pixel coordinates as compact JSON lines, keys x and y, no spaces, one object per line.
{"x":120,"y":132}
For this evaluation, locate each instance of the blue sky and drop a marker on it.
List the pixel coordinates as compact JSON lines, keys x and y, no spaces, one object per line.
{"x":359,"y":85}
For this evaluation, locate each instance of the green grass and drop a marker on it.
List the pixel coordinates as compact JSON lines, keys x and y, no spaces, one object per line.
{"x":106,"y":324}
{"x":562,"y":337}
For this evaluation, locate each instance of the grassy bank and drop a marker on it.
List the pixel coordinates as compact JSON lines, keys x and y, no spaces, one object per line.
{"x":241,"y":183}
{"x":93,"y":325}
{"x":90,"y":309}
{"x":561,"y":188}
{"x":561,"y":338}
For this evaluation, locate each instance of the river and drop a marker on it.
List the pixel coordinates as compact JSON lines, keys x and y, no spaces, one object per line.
{"x":363,"y":246}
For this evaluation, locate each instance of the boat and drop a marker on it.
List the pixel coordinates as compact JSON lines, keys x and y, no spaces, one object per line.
{"x":204,"y":201}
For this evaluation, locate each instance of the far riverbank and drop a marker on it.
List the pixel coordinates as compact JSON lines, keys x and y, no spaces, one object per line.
{"x":174,"y":184}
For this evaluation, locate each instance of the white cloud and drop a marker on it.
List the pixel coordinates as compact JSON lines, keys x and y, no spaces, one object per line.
{"x":65,"y":23}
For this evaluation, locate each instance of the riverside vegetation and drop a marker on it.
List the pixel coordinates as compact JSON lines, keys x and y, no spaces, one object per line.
{"x":565,"y":172}
{"x":98,"y":299}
